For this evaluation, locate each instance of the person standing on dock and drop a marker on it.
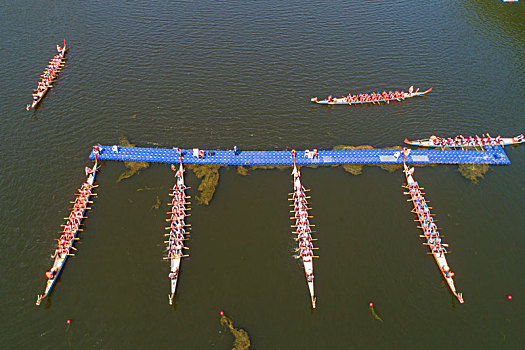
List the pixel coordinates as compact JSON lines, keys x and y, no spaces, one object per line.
{"x":235,"y":150}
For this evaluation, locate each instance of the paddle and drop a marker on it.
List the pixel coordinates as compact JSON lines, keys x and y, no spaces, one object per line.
{"x":168,"y":258}
{"x":305,"y":197}
{"x":421,"y":188}
{"x":443,"y":244}
{"x":305,"y":190}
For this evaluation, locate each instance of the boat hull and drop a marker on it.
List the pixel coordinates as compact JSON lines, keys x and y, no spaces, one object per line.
{"x":504,"y":141}
{"x":440,"y":259}
{"x":177,"y":225}
{"x":42,"y":94}
{"x":303,"y":231}
{"x":344,"y":101}
{"x":60,"y":261}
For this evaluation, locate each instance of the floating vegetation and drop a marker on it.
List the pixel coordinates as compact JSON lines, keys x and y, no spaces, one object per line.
{"x":242,"y":170}
{"x":209,"y":174}
{"x":353,"y":148}
{"x":242,"y":340}
{"x":146,"y":188}
{"x":357,"y":169}
{"x":132,"y":167}
{"x":157,"y":204}
{"x":373,"y":311}
{"x":210,"y":178}
{"x":390,"y":167}
{"x":271,"y":166}
{"x":354,"y":169}
{"x":473,"y":172}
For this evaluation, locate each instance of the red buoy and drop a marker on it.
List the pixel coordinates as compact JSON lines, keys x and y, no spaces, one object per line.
{"x":222,"y":313}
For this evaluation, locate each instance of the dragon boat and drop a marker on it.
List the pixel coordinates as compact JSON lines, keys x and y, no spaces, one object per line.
{"x":49,"y":76}
{"x":303,"y":229}
{"x":430,"y":231}
{"x":460,"y":141}
{"x":371,"y":98}
{"x":71,"y":229}
{"x":177,"y":228}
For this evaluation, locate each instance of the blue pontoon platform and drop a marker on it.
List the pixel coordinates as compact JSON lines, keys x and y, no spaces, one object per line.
{"x":492,"y":155}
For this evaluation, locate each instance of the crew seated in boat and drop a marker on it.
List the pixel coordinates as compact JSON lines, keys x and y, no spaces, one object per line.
{"x":173,"y":275}
{"x":519,"y":138}
{"x":413,"y":184}
{"x":300,"y":206}
{"x":447,"y":272}
{"x":306,"y":252}
{"x":303,"y":221}
{"x":305,"y":244}
{"x":298,"y":194}
{"x":441,"y":250}
{"x":51,"y":273}
{"x":310,"y":277}
{"x":299,"y":197}
{"x":304,"y":236}
{"x":174,"y":253}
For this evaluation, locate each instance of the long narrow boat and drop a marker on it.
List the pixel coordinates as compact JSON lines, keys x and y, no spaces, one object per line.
{"x":51,"y":71}
{"x":303,"y":230}
{"x":460,"y":141}
{"x":370,"y":98}
{"x":177,"y":228}
{"x":430,"y":232}
{"x":71,"y":229}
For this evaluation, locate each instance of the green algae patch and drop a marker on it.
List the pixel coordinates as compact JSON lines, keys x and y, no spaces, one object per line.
{"x":473,"y":172}
{"x":132,"y":168}
{"x":146,"y":188}
{"x":157,"y":204}
{"x":352,"y":148}
{"x":354,"y":169}
{"x":242,"y":170}
{"x":357,"y":169}
{"x":390,"y":167}
{"x":242,"y":340}
{"x":270,"y":166}
{"x":209,"y":175}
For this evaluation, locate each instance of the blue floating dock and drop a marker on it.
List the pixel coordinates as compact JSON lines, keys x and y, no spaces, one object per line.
{"x":492,"y":155}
